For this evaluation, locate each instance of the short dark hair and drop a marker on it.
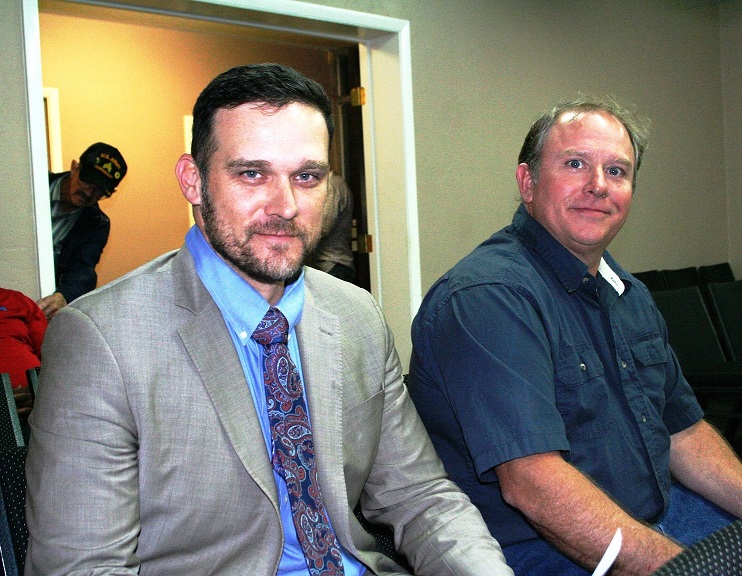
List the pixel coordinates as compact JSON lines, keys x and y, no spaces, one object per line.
{"x":636,"y":126}
{"x":271,"y":85}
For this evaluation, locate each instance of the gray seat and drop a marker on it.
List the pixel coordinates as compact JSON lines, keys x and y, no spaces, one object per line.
{"x":10,"y":426}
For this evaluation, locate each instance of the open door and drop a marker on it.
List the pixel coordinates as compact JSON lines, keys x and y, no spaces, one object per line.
{"x":349,"y":120}
{"x":388,"y":185}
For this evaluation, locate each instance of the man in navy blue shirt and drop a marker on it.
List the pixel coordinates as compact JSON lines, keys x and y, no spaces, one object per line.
{"x":543,"y":373}
{"x":80,"y":228}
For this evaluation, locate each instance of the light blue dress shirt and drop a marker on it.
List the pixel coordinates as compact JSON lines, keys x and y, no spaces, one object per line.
{"x":243,"y":308}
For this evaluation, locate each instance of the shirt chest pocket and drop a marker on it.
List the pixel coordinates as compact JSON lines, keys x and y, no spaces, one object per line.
{"x":650,"y":359}
{"x":575,"y":366}
{"x":581,"y":394}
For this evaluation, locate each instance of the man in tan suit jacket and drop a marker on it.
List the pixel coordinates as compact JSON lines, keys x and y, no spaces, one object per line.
{"x":148,"y":452}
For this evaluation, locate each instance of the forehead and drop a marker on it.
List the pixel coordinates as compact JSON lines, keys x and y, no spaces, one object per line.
{"x":594,"y":130}
{"x":258,"y":124}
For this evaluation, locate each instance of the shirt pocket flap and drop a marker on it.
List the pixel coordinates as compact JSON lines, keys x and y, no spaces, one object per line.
{"x":649,"y":352}
{"x":578,"y":365}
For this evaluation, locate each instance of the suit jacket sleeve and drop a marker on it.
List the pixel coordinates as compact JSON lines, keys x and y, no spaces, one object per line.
{"x":390,"y":463}
{"x":73,"y":426}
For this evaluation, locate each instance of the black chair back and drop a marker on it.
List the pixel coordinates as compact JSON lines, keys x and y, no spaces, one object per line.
{"x":721,"y":272}
{"x":652,"y":279}
{"x":719,"y":554}
{"x":690,"y":330}
{"x":13,"y":490}
{"x":682,"y":277}
{"x":726,"y":298}
{"x":7,"y":553}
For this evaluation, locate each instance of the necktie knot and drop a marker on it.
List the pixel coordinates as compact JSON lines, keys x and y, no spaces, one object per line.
{"x":272,"y":329}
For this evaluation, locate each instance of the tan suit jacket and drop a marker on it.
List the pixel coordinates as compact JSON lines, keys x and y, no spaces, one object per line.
{"x":147,"y":456}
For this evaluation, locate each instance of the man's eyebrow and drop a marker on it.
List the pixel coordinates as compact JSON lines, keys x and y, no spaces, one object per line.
{"x":315,"y":165}
{"x":244,"y":164}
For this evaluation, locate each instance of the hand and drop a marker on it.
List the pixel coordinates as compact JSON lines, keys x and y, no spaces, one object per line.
{"x":23,"y":403}
{"x":52,"y":304}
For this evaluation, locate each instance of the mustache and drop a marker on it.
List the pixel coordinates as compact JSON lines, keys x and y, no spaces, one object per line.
{"x":277,"y":227}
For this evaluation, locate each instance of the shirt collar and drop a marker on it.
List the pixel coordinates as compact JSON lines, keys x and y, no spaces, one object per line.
{"x":242,"y":306}
{"x":611,"y":277}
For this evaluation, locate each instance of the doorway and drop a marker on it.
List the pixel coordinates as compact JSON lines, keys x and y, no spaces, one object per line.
{"x":144,"y":106}
{"x":389,"y":162}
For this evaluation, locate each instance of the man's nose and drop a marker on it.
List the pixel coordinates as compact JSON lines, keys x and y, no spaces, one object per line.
{"x":281,"y":200}
{"x":598,"y":184}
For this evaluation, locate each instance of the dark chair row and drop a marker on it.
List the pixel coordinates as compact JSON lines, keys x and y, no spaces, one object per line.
{"x":657,"y":280}
{"x":703,"y":277}
{"x":13,"y":530}
{"x":702,"y":347}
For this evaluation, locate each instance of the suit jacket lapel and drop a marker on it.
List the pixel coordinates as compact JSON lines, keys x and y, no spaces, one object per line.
{"x":320,"y":348}
{"x":207,"y":340}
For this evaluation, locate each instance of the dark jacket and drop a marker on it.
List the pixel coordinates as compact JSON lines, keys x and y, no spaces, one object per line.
{"x":75,"y":263}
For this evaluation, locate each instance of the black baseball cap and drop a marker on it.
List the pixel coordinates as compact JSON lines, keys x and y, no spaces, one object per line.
{"x":102,"y":165}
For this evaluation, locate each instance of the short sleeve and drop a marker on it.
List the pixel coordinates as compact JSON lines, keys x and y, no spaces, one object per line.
{"x":495,"y":365}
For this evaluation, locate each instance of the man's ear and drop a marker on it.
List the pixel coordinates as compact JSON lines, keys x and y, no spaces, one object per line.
{"x":189,"y":179}
{"x":525,"y":182}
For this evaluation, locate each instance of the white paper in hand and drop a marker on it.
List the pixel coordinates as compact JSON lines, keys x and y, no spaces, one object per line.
{"x":610,"y":554}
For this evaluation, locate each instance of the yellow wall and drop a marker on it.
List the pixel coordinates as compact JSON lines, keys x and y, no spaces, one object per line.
{"x":130,"y":86}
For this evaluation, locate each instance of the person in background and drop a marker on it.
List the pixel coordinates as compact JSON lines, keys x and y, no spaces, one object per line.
{"x":22,"y":328}
{"x":334,"y":253}
{"x":543,"y":373}
{"x":79,"y":227}
{"x":223,"y":409}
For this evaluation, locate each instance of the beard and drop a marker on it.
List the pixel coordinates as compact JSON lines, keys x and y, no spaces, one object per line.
{"x":279,"y":266}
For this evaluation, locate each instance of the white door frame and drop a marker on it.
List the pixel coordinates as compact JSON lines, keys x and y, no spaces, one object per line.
{"x":388,"y":129}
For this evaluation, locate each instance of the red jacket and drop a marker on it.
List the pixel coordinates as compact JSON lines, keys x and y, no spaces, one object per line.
{"x":22,"y":327}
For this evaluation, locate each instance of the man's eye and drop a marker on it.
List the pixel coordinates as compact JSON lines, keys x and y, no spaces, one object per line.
{"x":251,"y":173}
{"x":615,"y":171}
{"x":305,"y":177}
{"x":574,"y":163}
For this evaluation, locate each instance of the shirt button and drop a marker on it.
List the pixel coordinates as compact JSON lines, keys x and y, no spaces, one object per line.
{"x":583,"y":367}
{"x":623,"y":365}
{"x":644,"y":418}
{"x":585,"y":280}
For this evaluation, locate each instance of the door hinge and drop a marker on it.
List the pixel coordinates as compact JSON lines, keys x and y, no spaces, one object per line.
{"x":358,"y":96}
{"x":364,"y":244}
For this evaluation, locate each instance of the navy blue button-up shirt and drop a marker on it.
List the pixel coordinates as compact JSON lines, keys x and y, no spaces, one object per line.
{"x":519,"y":350}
